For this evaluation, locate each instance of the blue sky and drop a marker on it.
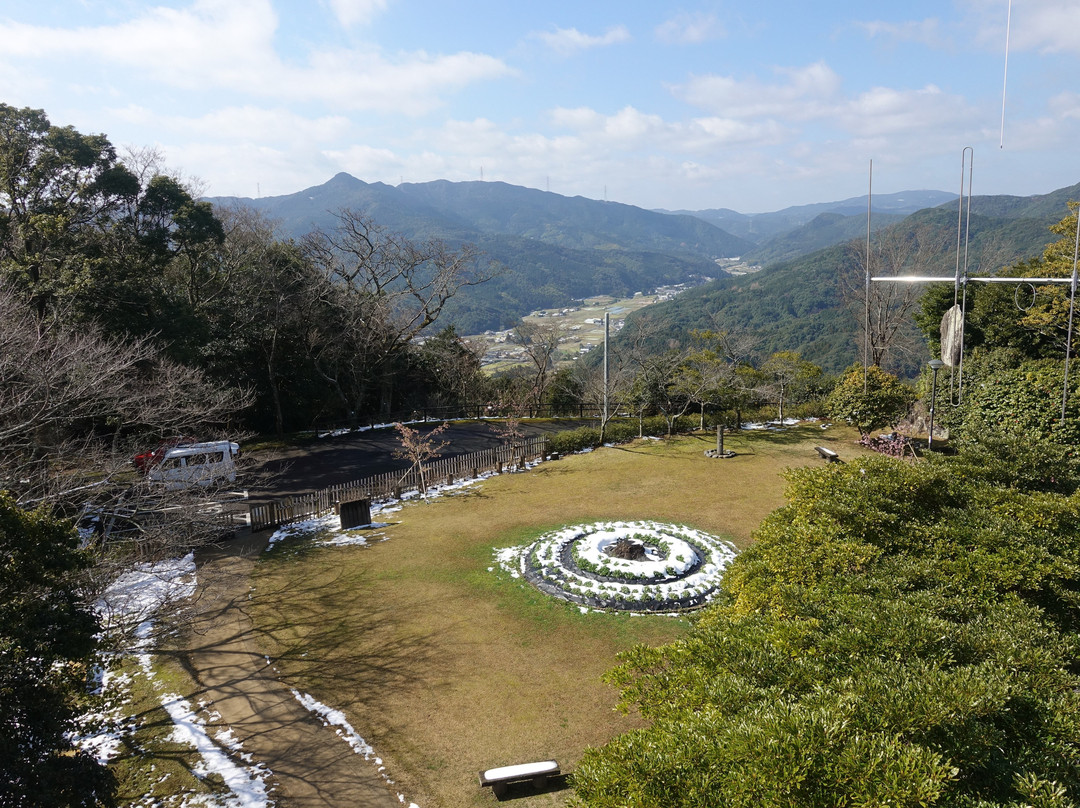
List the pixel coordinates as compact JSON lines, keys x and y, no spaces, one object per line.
{"x":729,"y":103}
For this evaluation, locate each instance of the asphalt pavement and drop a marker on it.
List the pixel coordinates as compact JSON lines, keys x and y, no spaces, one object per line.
{"x":339,"y":459}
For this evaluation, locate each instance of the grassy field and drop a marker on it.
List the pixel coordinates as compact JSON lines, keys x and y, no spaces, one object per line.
{"x":447,"y":664}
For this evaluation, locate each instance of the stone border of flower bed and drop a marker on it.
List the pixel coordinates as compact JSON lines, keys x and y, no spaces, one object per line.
{"x":663,"y":585}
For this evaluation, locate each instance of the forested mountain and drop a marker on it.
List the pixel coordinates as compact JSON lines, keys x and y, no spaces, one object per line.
{"x":798,"y":304}
{"x":825,"y":230}
{"x":553,"y":248}
{"x":761,"y":227}
{"x":464,"y":211}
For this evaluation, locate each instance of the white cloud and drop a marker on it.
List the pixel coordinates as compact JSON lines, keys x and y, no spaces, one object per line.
{"x":925,"y":113}
{"x":358,"y":80}
{"x":577,"y":118}
{"x":353,"y":12}
{"x":690,"y":29}
{"x":715,"y":132}
{"x":1050,"y":26}
{"x":250,"y":169}
{"x":229,"y":44}
{"x":245,"y":123}
{"x":1046,"y":26}
{"x":807,"y":93}
{"x":566,"y":41}
{"x":1065,"y":105}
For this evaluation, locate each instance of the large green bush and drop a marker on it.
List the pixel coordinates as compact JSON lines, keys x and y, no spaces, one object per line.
{"x":899,"y":634}
{"x":870,"y":399}
{"x":1007,"y":394}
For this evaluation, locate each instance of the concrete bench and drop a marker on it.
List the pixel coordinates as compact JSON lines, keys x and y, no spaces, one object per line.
{"x":537,"y":773}
{"x":827,"y":454}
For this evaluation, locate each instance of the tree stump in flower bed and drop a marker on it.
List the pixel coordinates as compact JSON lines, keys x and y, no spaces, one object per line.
{"x":626,"y":548}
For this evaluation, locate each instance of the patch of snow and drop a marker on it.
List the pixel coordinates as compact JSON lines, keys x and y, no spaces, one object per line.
{"x":247,"y":786}
{"x":337,"y":720}
{"x":137,"y":595}
{"x":131,"y":603}
{"x":671,"y":586}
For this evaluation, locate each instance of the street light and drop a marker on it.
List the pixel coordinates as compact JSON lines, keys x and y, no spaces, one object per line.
{"x":935,"y":365}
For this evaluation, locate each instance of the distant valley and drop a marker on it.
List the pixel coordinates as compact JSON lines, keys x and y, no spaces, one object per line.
{"x":556,"y":250}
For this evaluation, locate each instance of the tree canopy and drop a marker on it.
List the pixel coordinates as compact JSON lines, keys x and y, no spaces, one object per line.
{"x":47,"y":643}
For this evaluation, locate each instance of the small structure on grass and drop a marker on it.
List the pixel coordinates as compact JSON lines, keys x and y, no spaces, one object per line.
{"x":719,"y":451}
{"x":355,"y":513}
{"x":499,"y":779}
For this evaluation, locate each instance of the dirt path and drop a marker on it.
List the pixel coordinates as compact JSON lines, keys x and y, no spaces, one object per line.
{"x":312,"y":767}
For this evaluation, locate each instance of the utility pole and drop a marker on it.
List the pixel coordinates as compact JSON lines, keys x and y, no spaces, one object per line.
{"x":607,"y":327}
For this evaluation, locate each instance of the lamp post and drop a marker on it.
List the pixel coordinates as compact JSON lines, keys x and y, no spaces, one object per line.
{"x":935,"y":365}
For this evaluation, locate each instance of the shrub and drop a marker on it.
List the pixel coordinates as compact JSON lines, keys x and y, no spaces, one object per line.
{"x":883,"y":403}
{"x":1007,"y":395}
{"x":574,"y":440}
{"x":898,"y":634}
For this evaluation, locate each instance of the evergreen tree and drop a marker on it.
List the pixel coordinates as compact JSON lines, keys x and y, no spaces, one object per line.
{"x":47,"y":643}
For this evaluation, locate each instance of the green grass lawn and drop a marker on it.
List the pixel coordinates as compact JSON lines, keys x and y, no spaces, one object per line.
{"x":445,"y":663}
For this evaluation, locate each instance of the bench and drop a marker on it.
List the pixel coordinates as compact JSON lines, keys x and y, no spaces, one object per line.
{"x":537,"y":773}
{"x":827,"y":454}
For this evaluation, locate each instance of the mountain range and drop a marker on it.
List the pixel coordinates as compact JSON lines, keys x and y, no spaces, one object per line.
{"x":556,"y":249}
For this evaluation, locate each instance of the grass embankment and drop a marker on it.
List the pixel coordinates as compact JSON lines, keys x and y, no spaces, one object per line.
{"x":448,"y":666}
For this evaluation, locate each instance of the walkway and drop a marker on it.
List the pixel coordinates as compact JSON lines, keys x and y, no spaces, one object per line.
{"x":312,"y":767}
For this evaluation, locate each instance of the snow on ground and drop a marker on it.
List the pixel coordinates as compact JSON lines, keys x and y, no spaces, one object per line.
{"x":668,"y":572}
{"x":246,"y":783}
{"x":772,"y":424}
{"x":327,"y":529}
{"x":130,"y":605}
{"x":336,"y":719}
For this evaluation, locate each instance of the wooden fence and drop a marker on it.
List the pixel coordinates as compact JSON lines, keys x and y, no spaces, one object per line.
{"x":393,"y":484}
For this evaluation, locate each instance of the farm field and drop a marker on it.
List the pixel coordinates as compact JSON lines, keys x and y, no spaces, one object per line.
{"x":447,"y":664}
{"x":582,"y":325}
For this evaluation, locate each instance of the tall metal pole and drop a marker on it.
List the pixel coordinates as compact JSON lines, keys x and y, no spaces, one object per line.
{"x":963,"y":229}
{"x":607,"y":328}
{"x":866,"y":289}
{"x":1072,"y":306}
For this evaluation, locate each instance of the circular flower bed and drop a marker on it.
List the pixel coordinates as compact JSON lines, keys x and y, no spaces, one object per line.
{"x":628,"y":566}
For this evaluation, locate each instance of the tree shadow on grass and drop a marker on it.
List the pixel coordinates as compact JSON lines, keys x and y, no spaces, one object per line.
{"x":786,"y":436}
{"x":316,"y":623}
{"x":305,"y":626}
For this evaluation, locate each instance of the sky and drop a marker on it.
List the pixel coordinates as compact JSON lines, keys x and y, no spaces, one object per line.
{"x":752,"y":105}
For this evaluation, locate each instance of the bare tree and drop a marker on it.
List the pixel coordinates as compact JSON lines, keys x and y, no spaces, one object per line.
{"x":885,"y":322}
{"x":541,"y":342}
{"x":419,"y":448}
{"x":74,"y":409}
{"x":387,"y":290}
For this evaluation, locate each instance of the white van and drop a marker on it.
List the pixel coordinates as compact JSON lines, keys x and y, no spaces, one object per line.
{"x":197,"y":464}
